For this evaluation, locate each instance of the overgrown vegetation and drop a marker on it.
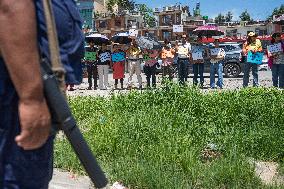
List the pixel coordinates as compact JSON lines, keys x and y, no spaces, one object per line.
{"x":154,"y":139}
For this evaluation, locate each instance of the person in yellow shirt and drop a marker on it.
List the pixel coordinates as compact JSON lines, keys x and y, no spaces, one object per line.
{"x":254,"y":45}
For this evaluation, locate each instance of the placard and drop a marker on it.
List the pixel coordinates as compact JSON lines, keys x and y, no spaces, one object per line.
{"x":91,"y":56}
{"x":275,"y":48}
{"x":178,"y":28}
{"x":118,"y":56}
{"x":105,"y":57}
{"x":217,"y":51}
{"x":133,"y":32}
{"x":255,"y":58}
{"x":197,"y":55}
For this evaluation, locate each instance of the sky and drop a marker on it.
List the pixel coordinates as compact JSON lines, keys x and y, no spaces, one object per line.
{"x":258,"y":9}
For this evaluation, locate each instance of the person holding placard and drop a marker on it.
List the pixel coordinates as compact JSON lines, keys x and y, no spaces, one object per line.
{"x":252,"y":45}
{"x":167,"y":56}
{"x":217,"y":56}
{"x":133,"y":53}
{"x":91,"y":63}
{"x":118,"y":58}
{"x":183,"y":51}
{"x":150,"y":58}
{"x":198,"y":54}
{"x":104,"y":62}
{"x":277,"y":59}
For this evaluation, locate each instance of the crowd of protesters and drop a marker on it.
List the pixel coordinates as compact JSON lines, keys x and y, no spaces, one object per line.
{"x":120,"y":56}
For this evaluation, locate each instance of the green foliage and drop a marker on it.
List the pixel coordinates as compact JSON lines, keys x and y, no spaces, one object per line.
{"x":245,"y":16}
{"x":122,"y":4}
{"x":220,"y":19}
{"x":154,"y":139}
{"x":229,"y":16}
{"x":147,"y":13}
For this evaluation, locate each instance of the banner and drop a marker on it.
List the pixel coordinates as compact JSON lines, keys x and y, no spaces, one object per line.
{"x":133,"y":33}
{"x":275,"y":48}
{"x":178,"y":28}
{"x":255,"y":58}
{"x":118,"y":57}
{"x":91,"y":56}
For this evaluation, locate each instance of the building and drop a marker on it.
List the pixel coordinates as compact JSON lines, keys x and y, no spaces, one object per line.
{"x":176,"y":15}
{"x":86,"y":8}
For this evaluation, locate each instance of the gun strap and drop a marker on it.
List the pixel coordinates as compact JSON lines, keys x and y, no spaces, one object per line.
{"x":56,"y":64}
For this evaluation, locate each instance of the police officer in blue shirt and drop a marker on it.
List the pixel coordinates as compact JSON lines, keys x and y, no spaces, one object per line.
{"x":26,"y":146}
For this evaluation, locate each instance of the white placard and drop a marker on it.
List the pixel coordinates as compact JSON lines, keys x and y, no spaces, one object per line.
{"x":178,"y":28}
{"x":275,"y":48}
{"x":106,"y":56}
{"x":133,"y":32}
{"x":197,"y":55}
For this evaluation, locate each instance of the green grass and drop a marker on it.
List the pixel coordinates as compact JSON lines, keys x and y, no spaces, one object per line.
{"x":154,"y":139}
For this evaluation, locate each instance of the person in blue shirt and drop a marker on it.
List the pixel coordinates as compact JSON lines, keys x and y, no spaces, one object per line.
{"x":26,"y":145}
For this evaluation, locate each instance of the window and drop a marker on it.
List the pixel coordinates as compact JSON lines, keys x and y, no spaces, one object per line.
{"x":282,"y":28}
{"x":167,"y":35}
{"x":230,"y":48}
{"x":178,"y":19}
{"x":167,"y":19}
{"x":102,"y":24}
{"x":117,"y":23}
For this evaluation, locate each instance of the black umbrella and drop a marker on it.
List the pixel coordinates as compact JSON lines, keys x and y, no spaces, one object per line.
{"x":98,"y":39}
{"x":121,"y":38}
{"x":148,"y":43}
{"x":208,"y":31}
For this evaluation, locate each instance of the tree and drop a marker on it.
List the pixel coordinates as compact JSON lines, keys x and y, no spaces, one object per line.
{"x":220,"y":19}
{"x":276,"y":11}
{"x":229,"y":17}
{"x":122,"y":4}
{"x":245,"y":16}
{"x":147,"y":14}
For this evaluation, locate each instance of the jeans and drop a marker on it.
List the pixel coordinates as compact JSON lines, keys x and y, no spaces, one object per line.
{"x":92,"y":74}
{"x":20,"y":169}
{"x":247,"y":68}
{"x":278,"y":75}
{"x":198,"y":69}
{"x":150,"y":71}
{"x":183,"y":70}
{"x":216,"y":67}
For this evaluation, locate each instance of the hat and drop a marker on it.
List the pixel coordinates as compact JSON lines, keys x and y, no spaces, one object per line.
{"x":252,"y":34}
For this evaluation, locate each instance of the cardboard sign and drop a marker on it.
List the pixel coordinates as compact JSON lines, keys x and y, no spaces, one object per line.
{"x":91,"y":56}
{"x":217,"y":52}
{"x":118,"y":57}
{"x":255,"y":58}
{"x":178,"y":28}
{"x":133,"y":32}
{"x":105,"y":56}
{"x":197,"y":55}
{"x":275,"y":48}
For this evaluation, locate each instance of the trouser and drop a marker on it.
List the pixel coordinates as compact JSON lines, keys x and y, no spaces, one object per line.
{"x":20,"y":169}
{"x":278,"y":75}
{"x":183,"y":70}
{"x":168,"y":70}
{"x":247,"y":68}
{"x":198,"y":69}
{"x":92,"y":74}
{"x":150,"y":72}
{"x":103,"y":76}
{"x":216,"y":67}
{"x":116,"y":81}
{"x":134,"y":67}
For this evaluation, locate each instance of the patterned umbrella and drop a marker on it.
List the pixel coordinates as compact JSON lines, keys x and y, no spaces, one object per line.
{"x":98,"y":39}
{"x":148,"y":43}
{"x":121,"y":38}
{"x":208,"y":31}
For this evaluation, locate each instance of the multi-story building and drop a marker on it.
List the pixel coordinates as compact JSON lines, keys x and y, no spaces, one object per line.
{"x":176,"y":15}
{"x":86,"y":8}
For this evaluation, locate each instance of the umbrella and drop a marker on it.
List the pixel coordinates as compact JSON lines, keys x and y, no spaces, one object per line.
{"x":279,"y":20}
{"x":98,"y":39}
{"x":208,"y":31}
{"x":148,"y":43}
{"x":121,"y":38}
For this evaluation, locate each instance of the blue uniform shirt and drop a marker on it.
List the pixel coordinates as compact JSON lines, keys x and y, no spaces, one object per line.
{"x":70,"y":38}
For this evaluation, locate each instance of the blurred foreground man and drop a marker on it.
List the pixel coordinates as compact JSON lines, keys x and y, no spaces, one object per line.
{"x":26,"y":147}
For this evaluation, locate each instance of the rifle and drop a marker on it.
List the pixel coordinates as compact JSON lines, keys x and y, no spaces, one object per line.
{"x":53,"y":81}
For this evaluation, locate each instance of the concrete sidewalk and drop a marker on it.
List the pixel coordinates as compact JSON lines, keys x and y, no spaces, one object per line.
{"x":64,"y":180}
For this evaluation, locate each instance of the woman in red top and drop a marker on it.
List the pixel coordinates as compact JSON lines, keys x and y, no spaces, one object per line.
{"x":118,"y":60}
